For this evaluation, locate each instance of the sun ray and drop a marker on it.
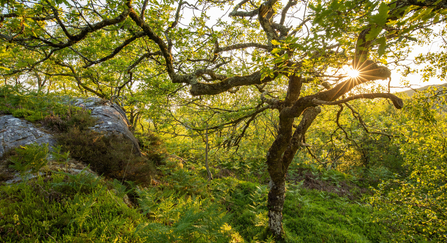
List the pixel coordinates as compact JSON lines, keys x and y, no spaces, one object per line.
{"x":353,"y":73}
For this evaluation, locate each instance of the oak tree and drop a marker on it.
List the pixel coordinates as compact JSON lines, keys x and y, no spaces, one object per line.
{"x":287,"y":56}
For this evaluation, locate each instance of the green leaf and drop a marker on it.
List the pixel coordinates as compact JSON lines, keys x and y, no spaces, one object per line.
{"x":381,"y":18}
{"x":373,"y":33}
{"x":275,"y":42}
{"x":276,"y":50}
{"x":382,"y":45}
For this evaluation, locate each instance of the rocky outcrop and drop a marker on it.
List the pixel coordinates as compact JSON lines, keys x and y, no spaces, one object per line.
{"x":15,"y":132}
{"x":111,"y":118}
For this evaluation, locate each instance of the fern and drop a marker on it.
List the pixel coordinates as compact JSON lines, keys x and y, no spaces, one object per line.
{"x":31,"y":157}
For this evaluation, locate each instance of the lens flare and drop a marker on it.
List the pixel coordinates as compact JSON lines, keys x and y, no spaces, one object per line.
{"x":353,"y":73}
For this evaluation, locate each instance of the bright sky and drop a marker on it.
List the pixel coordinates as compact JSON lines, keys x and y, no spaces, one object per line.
{"x":399,"y":83}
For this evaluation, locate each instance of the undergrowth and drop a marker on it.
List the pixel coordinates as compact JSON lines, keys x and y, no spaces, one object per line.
{"x":112,"y":156}
{"x":184,"y":207}
{"x":180,"y":206}
{"x":32,"y":106}
{"x":63,"y":208}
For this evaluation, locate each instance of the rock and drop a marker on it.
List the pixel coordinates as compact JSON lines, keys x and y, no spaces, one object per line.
{"x":15,"y":132}
{"x":111,"y":118}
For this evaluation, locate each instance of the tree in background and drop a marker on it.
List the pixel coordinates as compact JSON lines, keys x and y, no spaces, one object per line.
{"x":417,"y":201}
{"x":287,"y":56}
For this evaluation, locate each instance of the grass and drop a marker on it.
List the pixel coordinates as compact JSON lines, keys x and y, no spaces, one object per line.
{"x":183,"y":208}
{"x":33,"y":107}
{"x":63,"y":208}
{"x":315,"y":216}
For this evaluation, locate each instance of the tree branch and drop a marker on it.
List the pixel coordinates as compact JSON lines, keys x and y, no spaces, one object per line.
{"x":289,"y":4}
{"x":235,"y":11}
{"x":239,"y":46}
{"x":297,"y":140}
{"x":356,"y":114}
{"x":79,"y":80}
{"x":397,"y":102}
{"x":15,"y":15}
{"x":117,"y":49}
{"x":227,"y":84}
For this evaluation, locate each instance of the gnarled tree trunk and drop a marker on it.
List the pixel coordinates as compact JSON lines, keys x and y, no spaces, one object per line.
{"x":279,"y":158}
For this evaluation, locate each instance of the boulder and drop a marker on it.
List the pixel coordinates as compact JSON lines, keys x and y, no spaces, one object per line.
{"x":15,"y":132}
{"x":111,"y":118}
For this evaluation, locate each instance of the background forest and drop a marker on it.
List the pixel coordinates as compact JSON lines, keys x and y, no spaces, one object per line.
{"x":258,"y":121}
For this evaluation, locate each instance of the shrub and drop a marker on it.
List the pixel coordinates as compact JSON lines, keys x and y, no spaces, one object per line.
{"x":112,"y":156}
{"x":73,"y":118}
{"x":22,"y":113}
{"x":416,"y":204}
{"x":152,"y":147}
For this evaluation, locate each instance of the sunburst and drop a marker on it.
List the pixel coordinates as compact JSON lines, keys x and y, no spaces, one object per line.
{"x":353,"y":73}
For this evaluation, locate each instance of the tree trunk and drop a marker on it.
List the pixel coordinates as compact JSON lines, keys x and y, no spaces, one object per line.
{"x":210,"y":176}
{"x":279,"y":157}
{"x":275,"y":205}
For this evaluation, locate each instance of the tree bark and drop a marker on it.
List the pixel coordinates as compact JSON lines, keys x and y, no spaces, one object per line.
{"x":275,"y":204}
{"x":278,"y":160}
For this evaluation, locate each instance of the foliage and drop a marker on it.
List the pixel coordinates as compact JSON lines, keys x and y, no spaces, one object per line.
{"x":33,"y":107}
{"x":182,"y":218}
{"x":152,"y":147}
{"x":417,"y":202}
{"x":316,"y":216}
{"x":186,"y":71}
{"x":44,"y":210}
{"x":75,"y":118}
{"x":83,"y":207}
{"x":29,"y":158}
{"x":361,"y":141}
{"x":112,"y":156}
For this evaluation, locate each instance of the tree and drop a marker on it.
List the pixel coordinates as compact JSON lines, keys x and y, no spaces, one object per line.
{"x":417,"y":201}
{"x":281,"y":55}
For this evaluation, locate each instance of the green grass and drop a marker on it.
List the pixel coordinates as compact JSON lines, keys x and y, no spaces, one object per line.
{"x":314,"y":216}
{"x":83,"y":208}
{"x":66,"y":208}
{"x":32,"y":106}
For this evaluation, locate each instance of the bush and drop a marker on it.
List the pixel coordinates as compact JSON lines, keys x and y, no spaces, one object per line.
{"x":416,"y":204}
{"x":112,"y":156}
{"x":73,"y":118}
{"x":152,"y":147}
